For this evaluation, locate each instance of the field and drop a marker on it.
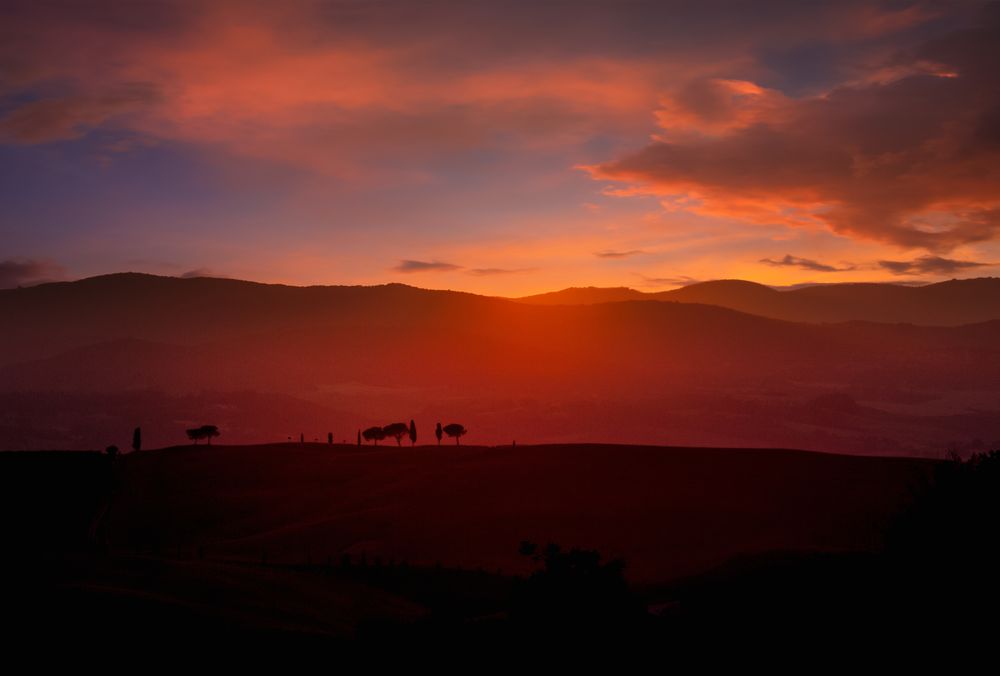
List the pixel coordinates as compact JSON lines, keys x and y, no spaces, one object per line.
{"x":317,"y":543}
{"x":667,"y":511}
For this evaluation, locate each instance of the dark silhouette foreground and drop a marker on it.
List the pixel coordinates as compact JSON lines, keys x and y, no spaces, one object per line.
{"x":932,"y":582}
{"x":574,"y":591}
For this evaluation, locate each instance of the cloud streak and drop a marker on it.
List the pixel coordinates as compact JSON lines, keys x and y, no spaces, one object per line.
{"x":805,"y":263}
{"x":69,"y":117}
{"x":680,"y":280}
{"x":198,"y":272}
{"x":411,"y":266}
{"x":929,"y":265}
{"x":490,"y":272}
{"x":618,"y":254}
{"x":16,"y":272}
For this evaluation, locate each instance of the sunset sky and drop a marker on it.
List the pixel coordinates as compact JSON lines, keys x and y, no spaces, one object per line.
{"x":500,"y":147}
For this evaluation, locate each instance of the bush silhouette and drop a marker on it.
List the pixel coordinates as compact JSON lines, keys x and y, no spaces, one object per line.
{"x":951,"y":525}
{"x":111,"y":450}
{"x":574,"y":590}
{"x":456,"y":431}
{"x":137,"y":439}
{"x":438,"y":433}
{"x":374,"y":434}
{"x":204,"y":432}
{"x":413,"y":433}
{"x":397,"y":431}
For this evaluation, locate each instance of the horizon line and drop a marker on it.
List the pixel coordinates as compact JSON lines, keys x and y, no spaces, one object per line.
{"x":583,"y":287}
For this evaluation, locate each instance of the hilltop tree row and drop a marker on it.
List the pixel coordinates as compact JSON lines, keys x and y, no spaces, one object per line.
{"x":398,"y":430}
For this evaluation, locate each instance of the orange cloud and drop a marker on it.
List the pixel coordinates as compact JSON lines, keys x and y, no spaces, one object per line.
{"x":913,"y":161}
{"x":717,"y":106}
{"x":283,"y":84}
{"x":336,"y":87}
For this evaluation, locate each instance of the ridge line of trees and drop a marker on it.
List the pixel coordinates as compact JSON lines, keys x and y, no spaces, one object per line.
{"x":374,"y":434}
{"x":398,"y":430}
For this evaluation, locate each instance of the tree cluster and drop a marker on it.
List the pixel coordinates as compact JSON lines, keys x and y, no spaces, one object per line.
{"x":399,"y":430}
{"x":196,"y":434}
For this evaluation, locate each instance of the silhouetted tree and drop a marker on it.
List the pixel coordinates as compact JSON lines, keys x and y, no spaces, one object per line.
{"x":396,"y":431}
{"x":112,"y":450}
{"x":137,"y":439}
{"x":438,"y":433}
{"x":374,"y":434}
{"x":329,"y":437}
{"x":210,"y":431}
{"x":203,"y":432}
{"x":413,"y":433}
{"x":456,"y":431}
{"x":302,"y":437}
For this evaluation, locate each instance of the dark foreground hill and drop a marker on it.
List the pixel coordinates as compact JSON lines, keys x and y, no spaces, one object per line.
{"x":302,"y":546}
{"x":667,"y":511}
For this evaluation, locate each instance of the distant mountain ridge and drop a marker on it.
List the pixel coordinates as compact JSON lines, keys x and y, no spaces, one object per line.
{"x":951,"y":303}
{"x":222,"y":351}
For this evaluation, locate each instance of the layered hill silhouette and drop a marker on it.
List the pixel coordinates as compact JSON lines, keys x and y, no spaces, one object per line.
{"x":342,"y":358}
{"x":949,"y":303}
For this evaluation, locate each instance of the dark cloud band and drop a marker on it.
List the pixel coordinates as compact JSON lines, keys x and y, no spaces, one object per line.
{"x":409,"y":266}
{"x":929,"y":265}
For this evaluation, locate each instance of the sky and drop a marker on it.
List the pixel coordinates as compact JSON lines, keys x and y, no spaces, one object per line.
{"x":505,"y":147}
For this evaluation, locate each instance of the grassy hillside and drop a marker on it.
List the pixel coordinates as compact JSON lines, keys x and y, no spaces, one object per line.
{"x":667,"y":511}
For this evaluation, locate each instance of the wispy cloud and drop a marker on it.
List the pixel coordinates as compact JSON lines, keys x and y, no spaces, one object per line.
{"x":929,"y":265}
{"x":618,"y":254}
{"x":487,"y":272}
{"x":198,"y":272}
{"x":409,"y":266}
{"x":71,"y":116}
{"x":680,"y":280}
{"x":24,"y":271}
{"x":804,"y":263}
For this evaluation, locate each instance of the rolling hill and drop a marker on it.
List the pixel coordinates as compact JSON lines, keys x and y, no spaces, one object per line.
{"x":949,"y":303}
{"x":341,"y":358}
